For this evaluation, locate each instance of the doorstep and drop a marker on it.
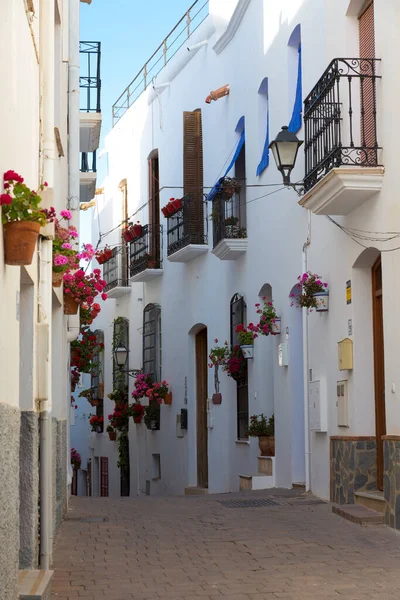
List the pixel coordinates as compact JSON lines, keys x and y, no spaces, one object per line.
{"x":195,"y":491}
{"x":358,"y":514}
{"x":373,"y":500}
{"x":35,"y":585}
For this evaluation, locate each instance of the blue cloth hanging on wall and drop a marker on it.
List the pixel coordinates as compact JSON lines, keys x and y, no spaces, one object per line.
{"x":264,"y":162}
{"x":217,"y":187}
{"x":295,"y":121}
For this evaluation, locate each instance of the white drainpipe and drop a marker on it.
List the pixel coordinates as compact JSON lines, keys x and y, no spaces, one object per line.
{"x":306,"y":366}
{"x":47,"y":65}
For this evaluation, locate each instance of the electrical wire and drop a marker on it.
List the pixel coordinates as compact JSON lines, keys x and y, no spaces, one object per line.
{"x":357,"y":241}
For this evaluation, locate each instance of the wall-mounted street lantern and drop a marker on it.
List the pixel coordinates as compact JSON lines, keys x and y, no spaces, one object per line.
{"x":285,"y":148}
{"x":121,"y":355}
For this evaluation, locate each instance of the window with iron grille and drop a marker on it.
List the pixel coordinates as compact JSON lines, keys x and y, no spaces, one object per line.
{"x":152,"y":346}
{"x":97,"y":375}
{"x":120,"y":338}
{"x":237,"y":316}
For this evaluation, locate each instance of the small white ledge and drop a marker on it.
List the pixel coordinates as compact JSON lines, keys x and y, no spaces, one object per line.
{"x":343,"y":190}
{"x":118,"y":291}
{"x":230,"y":248}
{"x":188,"y":253}
{"x":146,"y":275}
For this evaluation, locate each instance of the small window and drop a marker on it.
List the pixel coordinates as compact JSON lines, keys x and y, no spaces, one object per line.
{"x":152,"y":348}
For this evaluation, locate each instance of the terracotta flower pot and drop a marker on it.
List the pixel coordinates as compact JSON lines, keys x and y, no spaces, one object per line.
{"x":165,"y":211}
{"x":137,"y":231}
{"x":177,"y":204}
{"x":266,"y":445}
{"x":168,"y":398}
{"x":20,"y":239}
{"x":101,"y":390}
{"x":217,"y":398}
{"x":57,"y":279}
{"x":151,"y":263}
{"x":70,"y":306}
{"x":127,"y":235}
{"x":101,"y":259}
{"x":112,"y":435}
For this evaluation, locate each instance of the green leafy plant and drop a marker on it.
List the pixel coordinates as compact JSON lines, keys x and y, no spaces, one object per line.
{"x":151,"y":415}
{"x":246,"y":336}
{"x":19,"y":202}
{"x":309,"y":284}
{"x":267,"y":317}
{"x":260,"y":425}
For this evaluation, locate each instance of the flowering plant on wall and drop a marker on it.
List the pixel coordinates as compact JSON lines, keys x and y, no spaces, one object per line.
{"x":142,"y":385}
{"x":84,"y":288}
{"x":246,"y":335}
{"x":132,"y":231}
{"x":217,"y":356}
{"x":310,"y":285}
{"x":75,"y":458}
{"x":158,"y":391}
{"x":96,"y":423}
{"x":137,"y":411}
{"x":84,"y":350}
{"x":172,"y":207}
{"x":103,"y":255}
{"x":87,"y":313}
{"x":19,"y":202}
{"x":268,"y":318}
{"x":65,"y":256}
{"x":119,"y":418}
{"x":235,"y":364}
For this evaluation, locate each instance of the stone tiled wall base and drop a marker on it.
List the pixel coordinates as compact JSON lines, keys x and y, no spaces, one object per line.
{"x":353,"y":467}
{"x":59,"y":472}
{"x":391,"y":481}
{"x":29,"y":490}
{"x":9,"y":500}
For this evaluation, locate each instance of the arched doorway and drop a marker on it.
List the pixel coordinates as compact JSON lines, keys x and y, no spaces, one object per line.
{"x":201,"y":358}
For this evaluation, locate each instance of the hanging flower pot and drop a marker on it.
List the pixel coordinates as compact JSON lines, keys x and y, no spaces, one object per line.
{"x":276,"y":326}
{"x":128,"y":235}
{"x":248,"y":351}
{"x":168,"y":398}
{"x":165,"y":211}
{"x":217,"y":398}
{"x":112,"y":435}
{"x":137,"y":230}
{"x":177,"y":203}
{"x":101,"y":390}
{"x":57,"y":279}
{"x":70,"y":305}
{"x":20,"y":239}
{"x":321,"y":301}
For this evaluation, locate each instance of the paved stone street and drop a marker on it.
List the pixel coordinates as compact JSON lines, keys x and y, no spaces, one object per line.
{"x":194,"y":547}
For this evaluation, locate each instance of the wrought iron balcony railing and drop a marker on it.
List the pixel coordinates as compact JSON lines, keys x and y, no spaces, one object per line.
{"x":88,"y":162}
{"x":115,"y":270}
{"x":340,"y":119}
{"x":146,"y":251}
{"x":190,"y":21}
{"x":228,"y":218}
{"x":89,"y":80}
{"x":187,"y":226}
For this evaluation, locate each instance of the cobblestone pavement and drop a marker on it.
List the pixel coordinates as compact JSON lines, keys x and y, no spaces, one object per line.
{"x":192,"y":548}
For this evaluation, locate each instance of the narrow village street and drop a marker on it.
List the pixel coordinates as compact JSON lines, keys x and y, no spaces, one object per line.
{"x":206,"y":547}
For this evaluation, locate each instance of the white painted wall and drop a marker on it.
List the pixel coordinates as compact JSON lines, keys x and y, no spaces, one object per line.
{"x":199,"y":292}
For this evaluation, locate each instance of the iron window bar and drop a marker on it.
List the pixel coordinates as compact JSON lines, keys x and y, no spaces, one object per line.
{"x":340,"y":119}
{"x":228,"y":219}
{"x":115,"y":271}
{"x":88,"y":162}
{"x":184,"y":228}
{"x":146,"y":250}
{"x":90,"y":55}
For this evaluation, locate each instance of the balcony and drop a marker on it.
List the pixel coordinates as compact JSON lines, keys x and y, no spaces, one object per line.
{"x":145,"y":254}
{"x":229,"y":228}
{"x":90,"y":87}
{"x":115,"y":272}
{"x":341,"y":147}
{"x":187,"y":232}
{"x":87,"y":176}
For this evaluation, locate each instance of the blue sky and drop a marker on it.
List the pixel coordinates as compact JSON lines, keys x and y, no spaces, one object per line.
{"x":129,"y":32}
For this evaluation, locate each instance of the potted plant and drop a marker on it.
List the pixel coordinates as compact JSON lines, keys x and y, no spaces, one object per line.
{"x":96,"y":423}
{"x":151,"y":418}
{"x":235,"y":363}
{"x":84,"y":351}
{"x":119,"y":418}
{"x":75,"y":377}
{"x":263,"y":428}
{"x":89,"y":395}
{"x":312,"y":292}
{"x":112,"y":434}
{"x":137,"y":411}
{"x":75,"y":459}
{"x":142,"y":384}
{"x":103,"y":255}
{"x":81,"y":288}
{"x":160,"y":392}
{"x":217,"y":356}
{"x":269,"y":322}
{"x":118,"y":396}
{"x":230,"y":186}
{"x":21,"y":218}
{"x":246,"y":337}
{"x":132,"y":231}
{"x":65,"y":257}
{"x":87,"y":313}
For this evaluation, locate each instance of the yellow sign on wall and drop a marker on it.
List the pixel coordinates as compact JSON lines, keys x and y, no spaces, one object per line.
{"x":348,"y":292}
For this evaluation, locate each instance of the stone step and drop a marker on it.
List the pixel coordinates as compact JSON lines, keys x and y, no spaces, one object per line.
{"x":299,"y":485}
{"x":358,"y":514}
{"x":35,"y":585}
{"x":265,"y":465}
{"x":256,"y":482}
{"x":195,"y":491}
{"x":373,"y":500}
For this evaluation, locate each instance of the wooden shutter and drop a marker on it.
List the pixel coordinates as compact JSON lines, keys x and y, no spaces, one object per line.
{"x":154,"y":207}
{"x":366,"y":31}
{"x":193,"y":175}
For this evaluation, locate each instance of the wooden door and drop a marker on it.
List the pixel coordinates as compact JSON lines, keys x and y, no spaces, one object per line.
{"x":379,"y":367}
{"x":201,"y":401}
{"x":104,"y":476}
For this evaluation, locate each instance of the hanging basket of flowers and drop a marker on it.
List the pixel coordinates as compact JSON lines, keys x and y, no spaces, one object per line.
{"x":235,"y":364}
{"x":137,"y":411}
{"x":21,"y":218}
{"x":230,"y":186}
{"x":96,"y":423}
{"x":312,"y":293}
{"x":246,"y":337}
{"x":80,"y":288}
{"x":270,"y":323}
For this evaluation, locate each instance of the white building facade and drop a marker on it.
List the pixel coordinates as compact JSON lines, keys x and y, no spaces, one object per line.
{"x":190,"y":282}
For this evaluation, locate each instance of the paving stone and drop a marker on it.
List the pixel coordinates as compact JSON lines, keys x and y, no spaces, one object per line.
{"x":194,"y":548}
